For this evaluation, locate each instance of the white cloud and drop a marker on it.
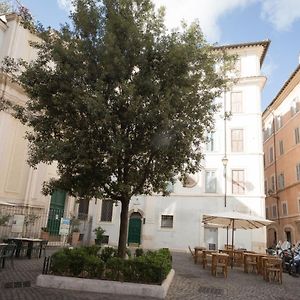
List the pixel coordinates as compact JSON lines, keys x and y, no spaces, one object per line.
{"x":269,"y":67}
{"x":206,"y":11}
{"x":281,"y":13}
{"x":65,"y":5}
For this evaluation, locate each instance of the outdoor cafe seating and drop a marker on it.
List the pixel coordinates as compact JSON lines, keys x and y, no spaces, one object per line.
{"x":219,"y":261}
{"x":7,"y":251}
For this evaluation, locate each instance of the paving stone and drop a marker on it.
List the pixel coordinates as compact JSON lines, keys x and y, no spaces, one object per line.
{"x":191,"y":282}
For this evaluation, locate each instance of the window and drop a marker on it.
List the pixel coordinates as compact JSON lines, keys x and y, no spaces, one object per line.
{"x":274,"y":211}
{"x":271,"y":155}
{"x":295,"y":106}
{"x":237,"y":140}
{"x":210,"y":182}
{"x":278,"y":122}
{"x":297,"y":136}
{"x":166,"y":221}
{"x":273,"y":184}
{"x":298,"y":172}
{"x":299,"y":204}
{"x":284,"y":209}
{"x":281,"y":150}
{"x":266,"y":187}
{"x":281,"y":181}
{"x":236,"y":102}
{"x":238,"y":183}
{"x":83,"y":209}
{"x":238,"y":66}
{"x":106,"y":210}
{"x":210,"y":146}
{"x":267,"y":212}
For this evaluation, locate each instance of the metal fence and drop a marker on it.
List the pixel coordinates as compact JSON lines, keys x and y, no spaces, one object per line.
{"x":20,"y":221}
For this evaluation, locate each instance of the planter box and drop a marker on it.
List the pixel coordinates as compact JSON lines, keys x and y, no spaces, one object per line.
{"x":106,"y":286}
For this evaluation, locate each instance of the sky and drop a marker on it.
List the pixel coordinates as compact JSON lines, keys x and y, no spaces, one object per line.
{"x":223,"y":22}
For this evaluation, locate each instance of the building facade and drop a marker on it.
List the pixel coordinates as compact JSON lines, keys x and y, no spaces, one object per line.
{"x":21,"y":185}
{"x":281,"y":130}
{"x":231,"y":179}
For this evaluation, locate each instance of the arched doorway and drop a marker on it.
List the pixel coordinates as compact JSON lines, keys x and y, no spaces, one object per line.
{"x":272,"y":237}
{"x":135,"y":228}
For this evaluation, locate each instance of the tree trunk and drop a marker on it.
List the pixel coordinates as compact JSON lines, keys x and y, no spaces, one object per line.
{"x":123,"y":228}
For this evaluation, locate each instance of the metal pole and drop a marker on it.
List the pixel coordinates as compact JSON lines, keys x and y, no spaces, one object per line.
{"x":232,"y":239}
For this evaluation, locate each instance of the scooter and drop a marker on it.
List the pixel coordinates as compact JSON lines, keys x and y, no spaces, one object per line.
{"x":294,"y":265}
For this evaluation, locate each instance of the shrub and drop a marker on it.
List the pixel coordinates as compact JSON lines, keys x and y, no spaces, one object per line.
{"x":92,"y":250}
{"x":77,"y":259}
{"x":94,"y":267}
{"x":114,"y":268}
{"x":139,"y":252}
{"x":107,"y":253}
{"x":60,"y":262}
{"x":99,"y":231}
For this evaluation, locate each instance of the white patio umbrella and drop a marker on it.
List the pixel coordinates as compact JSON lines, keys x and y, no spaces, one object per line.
{"x":235,"y":220}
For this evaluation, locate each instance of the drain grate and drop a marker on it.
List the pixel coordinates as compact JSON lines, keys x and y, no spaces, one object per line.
{"x":17,"y":284}
{"x":211,"y":291}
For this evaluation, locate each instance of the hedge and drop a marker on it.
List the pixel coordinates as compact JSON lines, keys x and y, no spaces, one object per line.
{"x":90,"y":262}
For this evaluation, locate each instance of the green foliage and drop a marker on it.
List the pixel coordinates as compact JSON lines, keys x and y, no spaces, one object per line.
{"x":5,"y":7}
{"x":4,"y":219}
{"x":94,"y":266}
{"x":60,"y":262}
{"x":140,"y":98}
{"x":139,"y":252}
{"x":152,"y":267}
{"x":99,"y":231}
{"x":108,"y":253}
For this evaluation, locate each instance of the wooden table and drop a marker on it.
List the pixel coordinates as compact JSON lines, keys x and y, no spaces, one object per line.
{"x":252,"y":259}
{"x":20,"y":242}
{"x":198,"y":253}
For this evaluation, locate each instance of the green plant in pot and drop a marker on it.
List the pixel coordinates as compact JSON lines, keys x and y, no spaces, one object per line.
{"x":44,"y":233}
{"x":99,"y":232}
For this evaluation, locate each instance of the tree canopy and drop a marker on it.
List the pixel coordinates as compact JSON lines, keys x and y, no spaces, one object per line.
{"x":119,"y":102}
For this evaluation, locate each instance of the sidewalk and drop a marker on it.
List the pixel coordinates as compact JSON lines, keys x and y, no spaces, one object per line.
{"x":190,"y":282}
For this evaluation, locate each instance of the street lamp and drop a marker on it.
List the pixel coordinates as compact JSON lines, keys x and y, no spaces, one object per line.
{"x":225,"y":162}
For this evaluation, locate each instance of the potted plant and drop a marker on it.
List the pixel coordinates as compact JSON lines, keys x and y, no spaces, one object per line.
{"x":44,"y":233}
{"x":99,"y":232}
{"x":75,"y":236}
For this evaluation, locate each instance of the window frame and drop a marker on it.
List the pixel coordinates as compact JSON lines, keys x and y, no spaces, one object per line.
{"x":161,"y":221}
{"x":110,"y":215}
{"x":297,"y":135}
{"x":237,"y":145}
{"x":207,"y":190}
{"x":284,"y":204}
{"x":236,"y":106}
{"x":238,"y":183}
{"x":281,"y":147}
{"x":298,"y":172}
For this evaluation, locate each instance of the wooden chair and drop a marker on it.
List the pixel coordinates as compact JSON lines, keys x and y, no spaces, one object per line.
{"x":274,"y":270}
{"x":238,"y":258}
{"x":192,"y":253}
{"x":251,"y":262}
{"x":7,"y":252}
{"x":207,"y":257}
{"x":228,"y":247}
{"x":219,"y":261}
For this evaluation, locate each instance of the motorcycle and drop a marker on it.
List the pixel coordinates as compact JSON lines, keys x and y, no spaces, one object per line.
{"x":294,"y":264}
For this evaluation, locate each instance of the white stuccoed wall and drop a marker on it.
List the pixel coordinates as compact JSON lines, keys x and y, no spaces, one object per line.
{"x":187,"y":205}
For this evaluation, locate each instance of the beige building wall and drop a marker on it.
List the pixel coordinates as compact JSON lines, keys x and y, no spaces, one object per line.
{"x":281,"y":124}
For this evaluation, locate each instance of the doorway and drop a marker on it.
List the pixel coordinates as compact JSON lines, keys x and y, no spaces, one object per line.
{"x":135,"y":228}
{"x":56,"y":211}
{"x":211,"y":238}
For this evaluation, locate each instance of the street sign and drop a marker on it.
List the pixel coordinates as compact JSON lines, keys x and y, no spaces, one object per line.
{"x":64,"y":226}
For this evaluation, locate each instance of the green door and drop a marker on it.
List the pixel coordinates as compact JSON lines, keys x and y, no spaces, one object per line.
{"x":134,"y":231}
{"x":56,"y":211}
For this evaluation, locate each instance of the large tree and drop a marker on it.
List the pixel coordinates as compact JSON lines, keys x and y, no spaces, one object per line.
{"x":119,"y":102}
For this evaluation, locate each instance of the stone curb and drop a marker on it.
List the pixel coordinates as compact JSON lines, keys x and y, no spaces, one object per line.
{"x":106,"y":286}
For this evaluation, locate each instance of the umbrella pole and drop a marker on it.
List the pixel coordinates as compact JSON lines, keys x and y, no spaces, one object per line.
{"x":232,"y":239}
{"x":227,"y":236}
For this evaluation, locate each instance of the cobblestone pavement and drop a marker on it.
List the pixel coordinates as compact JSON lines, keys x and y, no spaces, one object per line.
{"x":190,"y":282}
